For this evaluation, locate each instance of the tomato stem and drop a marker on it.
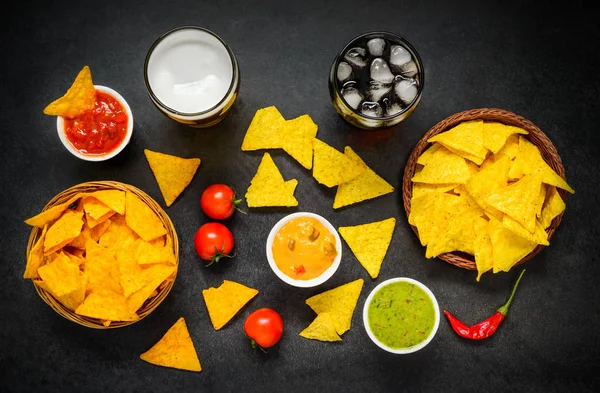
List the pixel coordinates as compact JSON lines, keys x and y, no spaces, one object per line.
{"x":255,"y":345}
{"x":218,"y":255}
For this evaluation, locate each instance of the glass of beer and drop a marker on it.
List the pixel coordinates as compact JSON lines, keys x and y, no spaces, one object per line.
{"x":192,"y":76}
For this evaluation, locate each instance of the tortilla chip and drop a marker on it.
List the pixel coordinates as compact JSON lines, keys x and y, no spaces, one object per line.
{"x":369,"y":243}
{"x":322,"y":328}
{"x":63,"y":231}
{"x":101,"y":268}
{"x":80,"y":97}
{"x":267,"y":187}
{"x":175,"y":349}
{"x":471,"y":159}
{"x":539,"y":236}
{"x":425,"y":157}
{"x":540,"y":200}
{"x":73,"y":299}
{"x":117,"y":234}
{"x":465,"y":137}
{"x":105,"y":304}
{"x":420,"y":189}
{"x":297,"y":139}
{"x":35,"y":259}
{"x":340,"y":302}
{"x":94,"y":208}
{"x":444,"y":167}
{"x":496,"y":134}
{"x":366,"y":186}
{"x":173,"y":174}
{"x":92,"y":223}
{"x":61,"y":276}
{"x":138,"y":298}
{"x":488,"y":181}
{"x":47,"y":216}
{"x":332,"y":168}
{"x":142,"y":219}
{"x":510,"y":148}
{"x":508,"y":248}
{"x":96,"y":233}
{"x":482,"y":246}
{"x":519,"y":200}
{"x":75,"y":259}
{"x":80,"y":241}
{"x":147,"y":254}
{"x":553,"y":206}
{"x":264,"y":131}
{"x":225,"y":302}
{"x":114,"y":199}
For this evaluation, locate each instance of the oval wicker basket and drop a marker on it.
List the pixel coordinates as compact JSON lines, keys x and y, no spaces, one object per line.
{"x":536,"y":136}
{"x":150,"y":304}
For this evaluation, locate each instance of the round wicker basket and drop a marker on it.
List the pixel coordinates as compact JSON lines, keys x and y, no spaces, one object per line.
{"x":536,"y":136}
{"x":150,"y":304}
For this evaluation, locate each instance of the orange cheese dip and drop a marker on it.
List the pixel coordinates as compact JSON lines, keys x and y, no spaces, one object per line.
{"x":303,"y":248}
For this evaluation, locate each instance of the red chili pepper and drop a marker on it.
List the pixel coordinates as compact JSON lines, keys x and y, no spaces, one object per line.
{"x":487,"y":327}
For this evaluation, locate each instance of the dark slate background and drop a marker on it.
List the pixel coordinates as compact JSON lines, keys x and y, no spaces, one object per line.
{"x":540,"y":62}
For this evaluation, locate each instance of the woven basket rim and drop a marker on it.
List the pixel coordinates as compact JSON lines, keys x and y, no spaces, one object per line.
{"x":149,"y":305}
{"x":536,"y":136}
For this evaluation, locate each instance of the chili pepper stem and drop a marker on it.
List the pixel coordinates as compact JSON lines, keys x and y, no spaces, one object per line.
{"x":504,"y":309}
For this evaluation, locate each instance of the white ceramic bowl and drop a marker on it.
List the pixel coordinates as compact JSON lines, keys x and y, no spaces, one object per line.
{"x":60,"y":122}
{"x":414,"y":348}
{"x":304,"y":283}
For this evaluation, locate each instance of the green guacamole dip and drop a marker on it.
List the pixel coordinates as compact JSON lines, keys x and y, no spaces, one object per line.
{"x":401,"y":315}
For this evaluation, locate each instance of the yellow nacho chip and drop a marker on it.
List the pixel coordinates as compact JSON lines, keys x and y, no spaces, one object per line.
{"x":482,"y":246}
{"x":53,"y":213}
{"x":444,"y":167}
{"x":117,"y":234}
{"x":508,"y":248}
{"x":425,"y":157}
{"x":35,"y":259}
{"x":175,"y":349}
{"x":94,"y":208}
{"x":297,"y":139}
{"x":553,"y":206}
{"x":147,"y":254}
{"x":92,"y":223}
{"x":114,"y":199}
{"x":141,"y":219}
{"x":73,"y":299}
{"x":331,"y":167}
{"x":340,"y":302}
{"x":267,"y":187}
{"x":465,"y":137}
{"x":99,"y":230}
{"x":496,"y":134}
{"x":63,"y":231}
{"x":173,"y":174}
{"x":105,"y":304}
{"x":369,"y":243}
{"x":539,"y":235}
{"x":322,"y":328}
{"x":471,"y":159}
{"x":488,"y":181}
{"x":264,"y":131}
{"x":101,"y":268}
{"x":80,"y":96}
{"x":224,"y":302}
{"x":519,"y":200}
{"x":80,"y":241}
{"x":420,"y":189}
{"x":138,"y":298}
{"x":61,"y":276}
{"x":510,"y":148}
{"x":365,"y":186}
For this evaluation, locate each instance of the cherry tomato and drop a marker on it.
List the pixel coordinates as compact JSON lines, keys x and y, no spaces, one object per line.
{"x":264,"y":327}
{"x":218,"y":201}
{"x":213,"y":241}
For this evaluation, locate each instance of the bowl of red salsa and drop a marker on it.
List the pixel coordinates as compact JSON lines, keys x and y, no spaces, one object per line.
{"x":100,"y":132}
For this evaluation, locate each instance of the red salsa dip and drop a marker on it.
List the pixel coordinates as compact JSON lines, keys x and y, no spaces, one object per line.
{"x":98,"y":130}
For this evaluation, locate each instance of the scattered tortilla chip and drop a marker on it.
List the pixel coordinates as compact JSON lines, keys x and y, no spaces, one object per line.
{"x":142,"y":219}
{"x":553,"y":206}
{"x":267,"y":187}
{"x":94,"y":208}
{"x":519,"y":200}
{"x":340,"y":302}
{"x":369,"y":243}
{"x":539,"y":235}
{"x":465,"y":137}
{"x":322,"y":328}
{"x":173,"y":174}
{"x":105,"y":304}
{"x":508,"y":248}
{"x":225,"y":302}
{"x":114,"y":199}
{"x":35,"y":259}
{"x":63,"y":231}
{"x":365,"y":186}
{"x":482,"y":246}
{"x":297,"y":139}
{"x":495,"y":135}
{"x":175,"y":349}
{"x":53,"y":213}
{"x":264,"y":131}
{"x":80,"y":97}
{"x":101,"y":268}
{"x":331,"y":167}
{"x":444,"y":167}
{"x":61,"y":276}
{"x":425,"y":157}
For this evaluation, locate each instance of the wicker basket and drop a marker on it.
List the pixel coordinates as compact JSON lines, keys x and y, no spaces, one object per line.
{"x":163,"y":290}
{"x":536,"y":136}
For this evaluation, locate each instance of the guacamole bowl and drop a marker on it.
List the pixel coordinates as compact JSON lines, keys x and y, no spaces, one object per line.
{"x":401,"y":315}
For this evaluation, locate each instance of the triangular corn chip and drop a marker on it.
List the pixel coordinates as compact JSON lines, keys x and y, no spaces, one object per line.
{"x":94,"y":208}
{"x":425,"y":157}
{"x":92,"y":222}
{"x":466,"y":137}
{"x":53,"y":213}
{"x":495,"y":135}
{"x":420,"y":189}
{"x":35,"y":259}
{"x":471,"y":159}
{"x":143,"y":220}
{"x":369,"y":243}
{"x":63,"y":231}
{"x":101,"y":268}
{"x":264,"y":131}
{"x":175,"y":349}
{"x":114,"y":199}
{"x":340,"y":302}
{"x":297,"y":139}
{"x":553,"y":206}
{"x":365,"y":186}
{"x":73,"y":299}
{"x":80,"y":96}
{"x":105,"y":304}
{"x":173,"y":174}
{"x":508,"y":248}
{"x":61,"y":276}
{"x":267,"y":187}
{"x":322,"y":328}
{"x":444,"y":167}
{"x":331,"y":167}
{"x":225,"y":302}
{"x":482,"y":246}
{"x":539,"y":235}
{"x":488,"y":181}
{"x":137,"y":299}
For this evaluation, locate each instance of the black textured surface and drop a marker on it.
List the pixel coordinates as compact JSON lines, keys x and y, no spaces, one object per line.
{"x":541,"y":63}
